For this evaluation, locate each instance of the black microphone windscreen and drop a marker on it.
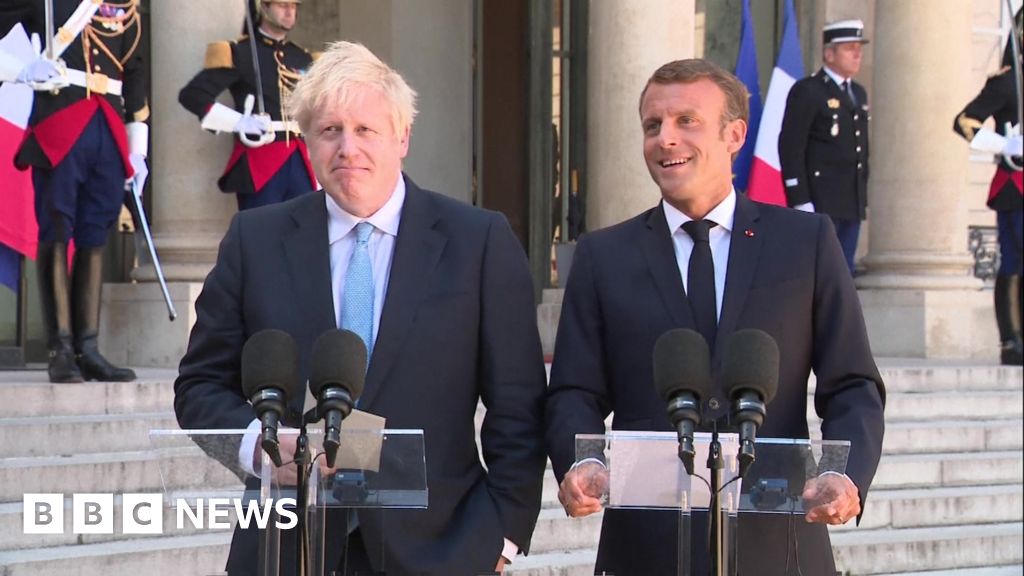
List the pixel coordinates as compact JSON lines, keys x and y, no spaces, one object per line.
{"x":339,"y":358}
{"x":751,"y":362}
{"x":270,"y":359}
{"x":682,"y":362}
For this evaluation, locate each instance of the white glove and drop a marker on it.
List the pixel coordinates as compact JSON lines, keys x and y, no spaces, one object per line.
{"x":253,"y":125}
{"x":1013,"y":146}
{"x":42,"y":74}
{"x":141,"y":172}
{"x":805,"y":207}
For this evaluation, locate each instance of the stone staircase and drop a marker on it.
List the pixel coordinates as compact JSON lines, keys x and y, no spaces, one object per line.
{"x":948,"y":425}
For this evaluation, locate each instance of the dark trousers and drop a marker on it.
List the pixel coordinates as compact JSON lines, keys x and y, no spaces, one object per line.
{"x":848,"y":231}
{"x":290,"y":181}
{"x":1011,"y":235}
{"x":81,"y":197}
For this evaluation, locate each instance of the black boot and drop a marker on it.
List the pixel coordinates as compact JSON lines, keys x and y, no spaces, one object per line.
{"x":86,"y":281}
{"x":1007,"y":304}
{"x":52,"y":271}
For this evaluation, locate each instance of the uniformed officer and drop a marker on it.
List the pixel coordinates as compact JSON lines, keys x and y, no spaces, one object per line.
{"x":823,"y":144}
{"x":82,"y":152}
{"x":269,"y":163}
{"x":999,"y":99}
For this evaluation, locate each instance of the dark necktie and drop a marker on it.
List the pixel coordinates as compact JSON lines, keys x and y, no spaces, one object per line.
{"x":848,"y":88}
{"x":700,"y":280}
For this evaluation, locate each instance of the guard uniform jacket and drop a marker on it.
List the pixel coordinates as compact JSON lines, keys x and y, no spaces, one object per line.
{"x":823,"y":147}
{"x":108,"y":49}
{"x":998,"y":99}
{"x":229,"y":66}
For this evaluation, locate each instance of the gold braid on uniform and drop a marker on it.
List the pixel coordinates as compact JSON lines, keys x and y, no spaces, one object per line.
{"x":112,"y":27}
{"x":286,"y":81}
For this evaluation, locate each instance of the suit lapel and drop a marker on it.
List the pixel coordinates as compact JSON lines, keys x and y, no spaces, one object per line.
{"x":661,"y":260}
{"x":418,"y":249}
{"x":307,"y":251}
{"x":744,"y":252}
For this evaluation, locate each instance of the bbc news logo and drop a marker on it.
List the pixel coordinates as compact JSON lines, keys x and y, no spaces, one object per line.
{"x":144,"y":513}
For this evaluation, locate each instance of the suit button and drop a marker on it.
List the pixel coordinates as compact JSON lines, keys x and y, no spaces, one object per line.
{"x":96,"y":68}
{"x":714,"y":404}
{"x":858,"y":148}
{"x":856,"y":117}
{"x":859,"y":165}
{"x":835,"y":116}
{"x":857,"y":132}
{"x":95,"y":52}
{"x":816,"y":173}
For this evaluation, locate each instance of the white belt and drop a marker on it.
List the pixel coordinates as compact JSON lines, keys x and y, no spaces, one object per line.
{"x":94,"y":82}
{"x":282,"y":126}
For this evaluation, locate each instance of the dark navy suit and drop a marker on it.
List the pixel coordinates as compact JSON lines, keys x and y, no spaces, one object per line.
{"x":785,"y":276}
{"x":458,"y":325}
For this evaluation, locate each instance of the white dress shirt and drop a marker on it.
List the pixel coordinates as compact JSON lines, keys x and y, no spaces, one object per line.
{"x":720,"y":238}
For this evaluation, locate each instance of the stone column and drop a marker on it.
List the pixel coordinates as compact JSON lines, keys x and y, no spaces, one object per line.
{"x":919,"y":297}
{"x":628,"y":42}
{"x":189,"y":214}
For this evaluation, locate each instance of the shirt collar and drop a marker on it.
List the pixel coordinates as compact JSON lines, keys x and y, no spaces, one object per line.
{"x":387,"y":219}
{"x":722,"y":215}
{"x":835,"y":77}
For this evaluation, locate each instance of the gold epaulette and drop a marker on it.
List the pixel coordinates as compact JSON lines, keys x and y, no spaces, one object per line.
{"x":218,"y":55}
{"x":316,"y":55}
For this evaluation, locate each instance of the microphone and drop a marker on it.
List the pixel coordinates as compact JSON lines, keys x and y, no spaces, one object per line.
{"x":269,"y":373}
{"x":682,"y":376}
{"x":336,"y":378}
{"x":751,"y":375}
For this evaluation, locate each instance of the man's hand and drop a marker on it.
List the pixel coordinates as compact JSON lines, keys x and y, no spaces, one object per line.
{"x":141,"y":172}
{"x":500,"y":568}
{"x":254,"y":125}
{"x":831,"y":499}
{"x":582,"y":488}
{"x":42,"y":73}
{"x":285,"y":475}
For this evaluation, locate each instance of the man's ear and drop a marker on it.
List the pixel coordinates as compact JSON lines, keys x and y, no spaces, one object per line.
{"x":735,"y":135}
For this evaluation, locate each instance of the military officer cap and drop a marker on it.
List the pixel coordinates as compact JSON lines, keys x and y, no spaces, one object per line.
{"x":844,"y":31}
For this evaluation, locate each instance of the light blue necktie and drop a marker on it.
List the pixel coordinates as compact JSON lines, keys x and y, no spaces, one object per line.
{"x":357,"y":301}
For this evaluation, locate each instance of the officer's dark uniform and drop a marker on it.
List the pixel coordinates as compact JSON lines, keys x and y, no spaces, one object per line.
{"x":823,"y":150}
{"x":78,"y":149}
{"x":998,"y":100}
{"x":274,"y":172}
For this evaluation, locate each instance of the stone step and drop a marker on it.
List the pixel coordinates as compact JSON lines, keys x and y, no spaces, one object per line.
{"x":110,"y":472}
{"x":557,"y":532}
{"x":930,"y":507}
{"x":913,"y":375}
{"x":953,"y":436}
{"x":29,"y":393}
{"x":944,"y":548}
{"x":976,"y":405}
{"x":987,"y":571}
{"x":562,"y":563}
{"x":69,"y":435}
{"x":195,"y":555}
{"x":949,"y":469}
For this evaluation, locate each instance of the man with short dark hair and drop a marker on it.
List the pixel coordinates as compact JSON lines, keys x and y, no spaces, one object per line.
{"x":716,"y":262}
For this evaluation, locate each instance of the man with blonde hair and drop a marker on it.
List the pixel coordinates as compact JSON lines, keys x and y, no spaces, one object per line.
{"x":441,"y":294}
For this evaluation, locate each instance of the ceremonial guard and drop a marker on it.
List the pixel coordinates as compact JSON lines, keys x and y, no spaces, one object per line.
{"x":269,"y":163}
{"x":87,"y":139}
{"x":1000,"y":100}
{"x":823,"y":144}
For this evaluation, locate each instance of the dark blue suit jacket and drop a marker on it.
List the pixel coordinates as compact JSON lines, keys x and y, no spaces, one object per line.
{"x":458,"y":325}
{"x":786,"y":276}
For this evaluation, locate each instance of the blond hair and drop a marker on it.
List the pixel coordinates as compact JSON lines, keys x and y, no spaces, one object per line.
{"x":344,"y":67}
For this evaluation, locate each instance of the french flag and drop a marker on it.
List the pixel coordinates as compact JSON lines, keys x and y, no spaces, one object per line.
{"x":746,"y":71}
{"x":18,"y":229}
{"x":766,"y":172}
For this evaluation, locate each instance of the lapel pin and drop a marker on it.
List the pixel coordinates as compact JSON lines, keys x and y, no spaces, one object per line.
{"x":748,"y":233}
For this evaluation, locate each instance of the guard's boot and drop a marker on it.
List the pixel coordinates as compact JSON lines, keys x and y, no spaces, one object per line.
{"x":86,"y":281}
{"x":52,"y":272}
{"x":1007,"y":305}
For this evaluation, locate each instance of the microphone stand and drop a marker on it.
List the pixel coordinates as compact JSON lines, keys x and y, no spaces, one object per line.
{"x":301,"y":503}
{"x":716,"y":465}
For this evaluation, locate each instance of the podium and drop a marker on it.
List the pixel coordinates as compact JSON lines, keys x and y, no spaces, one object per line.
{"x":642,"y":470}
{"x":374,"y":469}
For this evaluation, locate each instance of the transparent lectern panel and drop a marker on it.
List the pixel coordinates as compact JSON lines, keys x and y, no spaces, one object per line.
{"x":643,"y":470}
